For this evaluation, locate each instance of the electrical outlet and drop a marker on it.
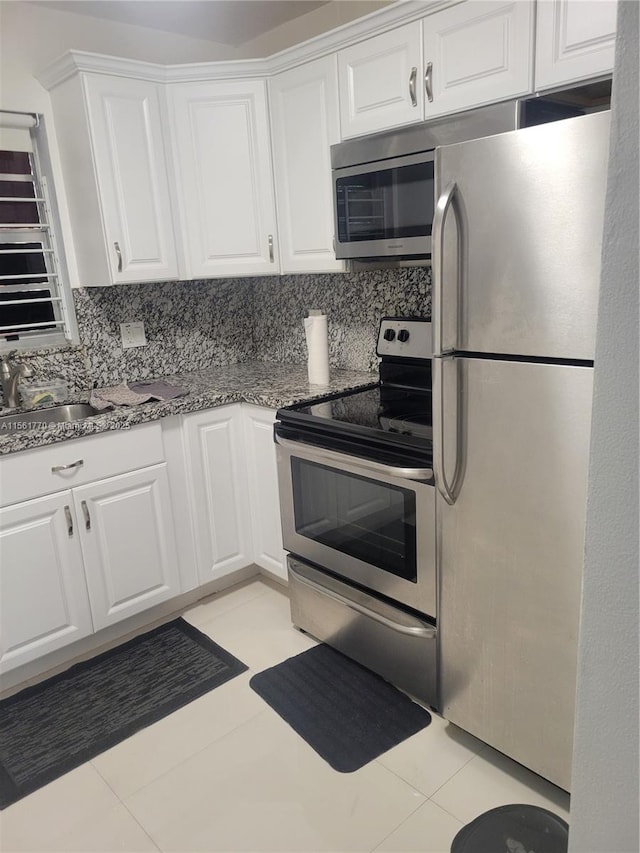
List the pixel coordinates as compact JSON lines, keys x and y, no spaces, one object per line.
{"x":132,"y":335}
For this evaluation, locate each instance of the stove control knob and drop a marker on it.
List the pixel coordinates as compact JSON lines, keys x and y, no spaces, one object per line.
{"x":389,"y":334}
{"x":403,"y":335}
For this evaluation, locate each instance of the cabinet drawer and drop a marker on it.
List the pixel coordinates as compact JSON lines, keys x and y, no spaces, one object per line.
{"x":30,"y":473}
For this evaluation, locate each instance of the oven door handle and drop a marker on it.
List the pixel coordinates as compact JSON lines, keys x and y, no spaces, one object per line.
{"x":419,"y":474}
{"x":424,"y":632}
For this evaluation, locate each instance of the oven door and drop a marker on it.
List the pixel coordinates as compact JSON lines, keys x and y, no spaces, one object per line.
{"x":366,"y":522}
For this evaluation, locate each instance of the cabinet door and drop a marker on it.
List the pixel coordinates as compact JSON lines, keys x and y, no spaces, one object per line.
{"x":131,"y":170}
{"x":224,"y":178}
{"x":263,"y":490}
{"x":218,"y":479}
{"x":43,"y":595}
{"x":128,"y":543}
{"x":575,"y":40}
{"x":380,"y":81}
{"x":305,"y":121}
{"x":477,"y":53}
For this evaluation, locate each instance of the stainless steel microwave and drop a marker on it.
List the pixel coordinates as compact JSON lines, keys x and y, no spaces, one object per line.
{"x":383,"y":189}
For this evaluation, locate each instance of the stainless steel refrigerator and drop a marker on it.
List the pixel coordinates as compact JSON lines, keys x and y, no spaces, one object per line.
{"x":516,"y":263}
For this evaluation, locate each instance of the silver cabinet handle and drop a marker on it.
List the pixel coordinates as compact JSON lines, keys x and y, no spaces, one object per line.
{"x":428,"y":81}
{"x":270,"y":241}
{"x":412,"y":86}
{"x":116,"y":246}
{"x":77,"y":464}
{"x":87,"y":517}
{"x":69,"y":517}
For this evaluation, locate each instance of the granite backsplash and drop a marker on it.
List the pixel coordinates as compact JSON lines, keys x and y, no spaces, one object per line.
{"x":353,"y":303}
{"x":193,"y":325}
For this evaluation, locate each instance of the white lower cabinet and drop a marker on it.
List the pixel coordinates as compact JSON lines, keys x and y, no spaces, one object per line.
{"x":104,"y":549}
{"x":128,"y":543}
{"x":87,"y":556}
{"x":219,"y":499}
{"x":43,"y":595}
{"x":263,"y":490}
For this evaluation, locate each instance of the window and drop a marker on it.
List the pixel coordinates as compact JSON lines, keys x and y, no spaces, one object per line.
{"x":35,"y":300}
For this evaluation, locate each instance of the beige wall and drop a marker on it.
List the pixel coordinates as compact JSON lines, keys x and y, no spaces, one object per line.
{"x":327,"y":17}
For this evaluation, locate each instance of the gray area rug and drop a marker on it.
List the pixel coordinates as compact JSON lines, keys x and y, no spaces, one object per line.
{"x":49,"y":729}
{"x":347,"y":713}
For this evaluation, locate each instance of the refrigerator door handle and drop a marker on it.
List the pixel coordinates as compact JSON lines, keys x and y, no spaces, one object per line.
{"x":442,"y":485}
{"x":439,"y":219}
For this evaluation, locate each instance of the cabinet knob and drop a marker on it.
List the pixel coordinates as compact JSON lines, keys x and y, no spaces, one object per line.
{"x":270,"y":241}
{"x":116,"y":246}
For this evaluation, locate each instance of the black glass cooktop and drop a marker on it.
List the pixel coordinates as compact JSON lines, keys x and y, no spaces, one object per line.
{"x":401,"y":413}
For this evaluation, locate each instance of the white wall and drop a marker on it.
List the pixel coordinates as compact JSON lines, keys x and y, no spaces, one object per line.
{"x":604,"y":803}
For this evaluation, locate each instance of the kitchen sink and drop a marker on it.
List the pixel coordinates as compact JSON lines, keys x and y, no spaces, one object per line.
{"x":38,"y":418}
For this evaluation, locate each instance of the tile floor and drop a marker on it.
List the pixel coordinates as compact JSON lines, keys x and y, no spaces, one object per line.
{"x":225,"y":773}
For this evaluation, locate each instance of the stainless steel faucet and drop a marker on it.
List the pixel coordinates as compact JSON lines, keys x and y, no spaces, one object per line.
{"x":9,"y":376}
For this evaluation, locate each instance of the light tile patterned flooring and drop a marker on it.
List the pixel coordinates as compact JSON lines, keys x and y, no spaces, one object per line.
{"x":225,"y":773}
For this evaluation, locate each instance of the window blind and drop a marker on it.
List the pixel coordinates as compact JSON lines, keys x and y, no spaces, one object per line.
{"x":35,"y":303}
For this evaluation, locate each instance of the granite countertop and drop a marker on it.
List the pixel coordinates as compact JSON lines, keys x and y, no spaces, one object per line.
{"x":259,"y":383}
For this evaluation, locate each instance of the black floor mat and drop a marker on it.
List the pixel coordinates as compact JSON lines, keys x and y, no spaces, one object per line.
{"x":345,"y":712}
{"x":49,"y":729}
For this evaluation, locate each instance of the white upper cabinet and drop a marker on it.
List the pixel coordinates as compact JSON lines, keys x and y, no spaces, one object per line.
{"x":223,"y":177}
{"x":464,"y":56}
{"x":575,"y":40}
{"x":111,"y":140}
{"x":477,"y":53}
{"x":380,"y":81}
{"x":305,"y":122}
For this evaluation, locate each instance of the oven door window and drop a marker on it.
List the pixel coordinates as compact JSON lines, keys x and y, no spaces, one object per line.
{"x":385,"y":204}
{"x":370,"y":520}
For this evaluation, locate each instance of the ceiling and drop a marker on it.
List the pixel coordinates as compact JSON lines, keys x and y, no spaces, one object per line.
{"x":230,"y":22}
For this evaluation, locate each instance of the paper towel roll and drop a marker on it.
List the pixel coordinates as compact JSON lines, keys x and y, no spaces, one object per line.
{"x":315,"y":330}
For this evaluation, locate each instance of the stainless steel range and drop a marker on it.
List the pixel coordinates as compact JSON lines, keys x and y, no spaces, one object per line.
{"x":358,"y":514}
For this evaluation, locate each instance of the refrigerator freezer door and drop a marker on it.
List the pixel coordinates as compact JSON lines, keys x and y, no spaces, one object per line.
{"x":522,"y":236}
{"x":510,"y":556}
